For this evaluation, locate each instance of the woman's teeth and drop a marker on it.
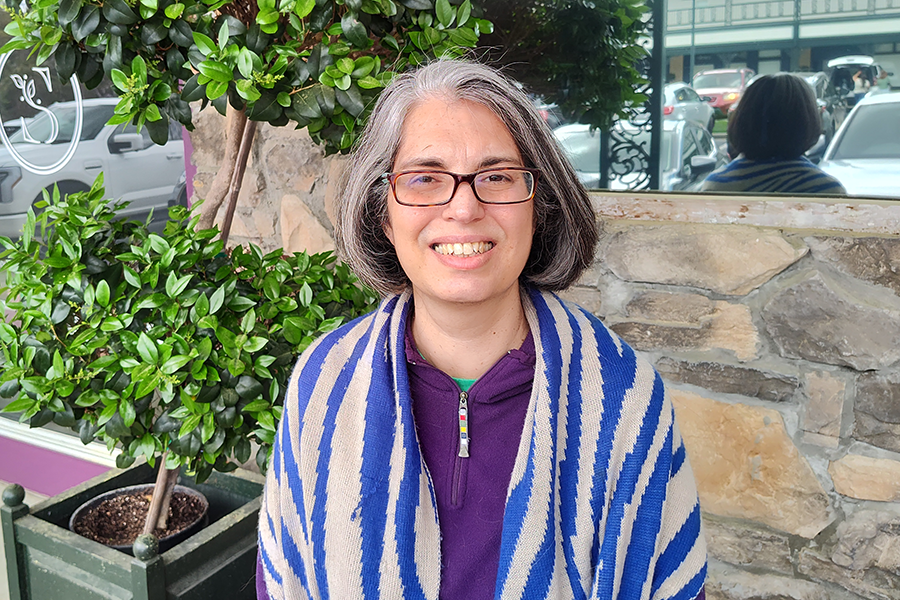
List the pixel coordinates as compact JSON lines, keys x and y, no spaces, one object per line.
{"x":465,"y":249}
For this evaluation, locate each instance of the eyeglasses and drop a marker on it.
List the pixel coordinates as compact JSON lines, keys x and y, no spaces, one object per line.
{"x":508,"y":185}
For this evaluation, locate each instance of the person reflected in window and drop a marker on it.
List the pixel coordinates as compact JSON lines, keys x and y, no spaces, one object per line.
{"x":476,"y":437}
{"x":776,"y":121}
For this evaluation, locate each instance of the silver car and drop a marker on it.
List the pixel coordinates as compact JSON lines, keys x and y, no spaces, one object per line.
{"x":134,"y":168}
{"x":865,"y":152}
{"x":682,"y":103}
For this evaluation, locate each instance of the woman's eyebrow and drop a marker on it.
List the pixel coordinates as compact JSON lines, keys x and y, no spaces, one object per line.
{"x":437,"y":163}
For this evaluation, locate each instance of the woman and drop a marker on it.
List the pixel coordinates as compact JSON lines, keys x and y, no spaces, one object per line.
{"x":475,"y":437}
{"x":776,"y":121}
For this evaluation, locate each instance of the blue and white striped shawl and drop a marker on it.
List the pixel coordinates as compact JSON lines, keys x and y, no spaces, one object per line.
{"x":601,"y":504}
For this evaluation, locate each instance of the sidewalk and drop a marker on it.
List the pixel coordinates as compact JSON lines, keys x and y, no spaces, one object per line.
{"x":31,"y":498}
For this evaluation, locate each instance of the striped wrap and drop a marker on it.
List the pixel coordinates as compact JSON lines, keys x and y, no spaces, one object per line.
{"x":795,"y":176}
{"x":601,"y":504}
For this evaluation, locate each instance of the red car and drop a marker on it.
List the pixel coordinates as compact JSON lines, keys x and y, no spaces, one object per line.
{"x":724,"y":86}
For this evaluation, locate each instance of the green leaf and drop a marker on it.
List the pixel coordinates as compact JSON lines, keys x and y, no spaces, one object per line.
{"x":68,"y":10}
{"x":216,"y":301}
{"x":249,"y":388}
{"x":256,"y":405}
{"x":216,"y":71}
{"x":85,"y":23}
{"x":175,"y":285}
{"x":351,"y":100}
{"x":101,"y":294}
{"x":354,"y":31}
{"x":302,"y":8}
{"x":119,"y":79}
{"x":204,"y":43}
{"x":126,"y":409}
{"x":22,"y":404}
{"x":223,"y":36}
{"x":369,"y":83}
{"x":174,"y":363}
{"x":216,"y":89}
{"x":147,"y":349}
{"x":465,"y":9}
{"x":268,"y":17}
{"x":152,"y":113}
{"x":245,"y":62}
{"x":118,"y":12}
{"x":131,"y":276}
{"x":346,"y":65}
{"x":173,"y":11}
{"x":247,"y":90}
{"x":446,"y":14}
{"x":139,"y":70}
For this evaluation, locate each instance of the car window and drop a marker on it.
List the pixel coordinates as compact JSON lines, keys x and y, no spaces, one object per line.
{"x":681,"y":96}
{"x":717,"y":80}
{"x":705,"y":143}
{"x":689,"y":149}
{"x":690,"y":95}
{"x":39,"y":128}
{"x":873,"y":132}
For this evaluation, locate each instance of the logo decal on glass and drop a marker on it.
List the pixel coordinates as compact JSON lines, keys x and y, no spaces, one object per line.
{"x":42,"y":127}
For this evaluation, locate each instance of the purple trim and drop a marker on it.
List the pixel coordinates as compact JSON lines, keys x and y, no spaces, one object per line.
{"x":43,"y":471}
{"x":190,"y":170}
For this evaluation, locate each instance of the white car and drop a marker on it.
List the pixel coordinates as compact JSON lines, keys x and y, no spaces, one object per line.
{"x":682,"y":103}
{"x":134,"y":168}
{"x":865,"y":152}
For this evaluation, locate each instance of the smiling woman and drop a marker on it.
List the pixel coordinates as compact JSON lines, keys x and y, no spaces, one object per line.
{"x":449,"y":444}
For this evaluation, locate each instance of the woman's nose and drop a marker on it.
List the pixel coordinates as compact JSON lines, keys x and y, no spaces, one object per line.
{"x":463,"y":205}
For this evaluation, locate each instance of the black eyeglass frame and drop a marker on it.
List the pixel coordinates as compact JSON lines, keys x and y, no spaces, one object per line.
{"x":391,"y":179}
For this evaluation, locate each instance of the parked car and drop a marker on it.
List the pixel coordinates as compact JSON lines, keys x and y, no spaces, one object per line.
{"x":723,"y":86}
{"x":832,"y":104}
{"x":842,"y":69}
{"x":134,"y":168}
{"x":865,"y":153}
{"x":683,"y":103}
{"x":687,"y":156}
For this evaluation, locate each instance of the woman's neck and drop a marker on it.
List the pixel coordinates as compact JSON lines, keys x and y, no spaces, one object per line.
{"x":464,"y":341}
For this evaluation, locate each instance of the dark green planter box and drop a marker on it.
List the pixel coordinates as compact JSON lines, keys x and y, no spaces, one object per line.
{"x":45,"y":560}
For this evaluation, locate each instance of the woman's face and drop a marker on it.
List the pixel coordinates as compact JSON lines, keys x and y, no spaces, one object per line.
{"x":463,"y":251}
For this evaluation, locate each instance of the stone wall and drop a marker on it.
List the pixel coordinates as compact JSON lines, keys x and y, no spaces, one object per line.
{"x":288,"y":190}
{"x":776,"y":324}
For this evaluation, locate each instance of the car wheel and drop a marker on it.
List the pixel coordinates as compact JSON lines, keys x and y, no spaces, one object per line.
{"x":712,"y":123}
{"x":65,"y":188}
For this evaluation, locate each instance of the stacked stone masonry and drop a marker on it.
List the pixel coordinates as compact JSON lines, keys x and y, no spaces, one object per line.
{"x":776,"y":324}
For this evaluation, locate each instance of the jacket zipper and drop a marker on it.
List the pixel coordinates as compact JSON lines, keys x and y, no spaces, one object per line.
{"x":463,"y":425}
{"x":463,"y":421}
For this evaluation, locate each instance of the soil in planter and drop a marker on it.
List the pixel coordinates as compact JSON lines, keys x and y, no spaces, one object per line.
{"x":119,"y":520}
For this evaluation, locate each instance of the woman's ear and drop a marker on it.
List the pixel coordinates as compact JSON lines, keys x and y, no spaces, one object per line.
{"x":388,"y":230}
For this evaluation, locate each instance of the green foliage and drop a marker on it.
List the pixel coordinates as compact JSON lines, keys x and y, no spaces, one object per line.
{"x":317,"y":63}
{"x":152,"y":342}
{"x":583,"y":55}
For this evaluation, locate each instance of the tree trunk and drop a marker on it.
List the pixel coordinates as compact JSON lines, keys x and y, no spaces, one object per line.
{"x":158,"y":513}
{"x":239,"y":134}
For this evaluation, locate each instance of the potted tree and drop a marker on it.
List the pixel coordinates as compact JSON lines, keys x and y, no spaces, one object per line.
{"x":168,"y":348}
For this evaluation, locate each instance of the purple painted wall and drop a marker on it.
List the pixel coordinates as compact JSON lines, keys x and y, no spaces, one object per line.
{"x":43,"y":471}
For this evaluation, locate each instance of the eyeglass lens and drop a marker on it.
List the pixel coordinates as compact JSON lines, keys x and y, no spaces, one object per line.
{"x":499,"y":186}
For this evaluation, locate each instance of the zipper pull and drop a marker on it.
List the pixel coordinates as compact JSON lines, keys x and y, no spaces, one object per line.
{"x":463,"y":425}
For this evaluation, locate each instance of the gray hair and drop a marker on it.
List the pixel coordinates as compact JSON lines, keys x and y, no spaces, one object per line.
{"x":566,"y":227}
